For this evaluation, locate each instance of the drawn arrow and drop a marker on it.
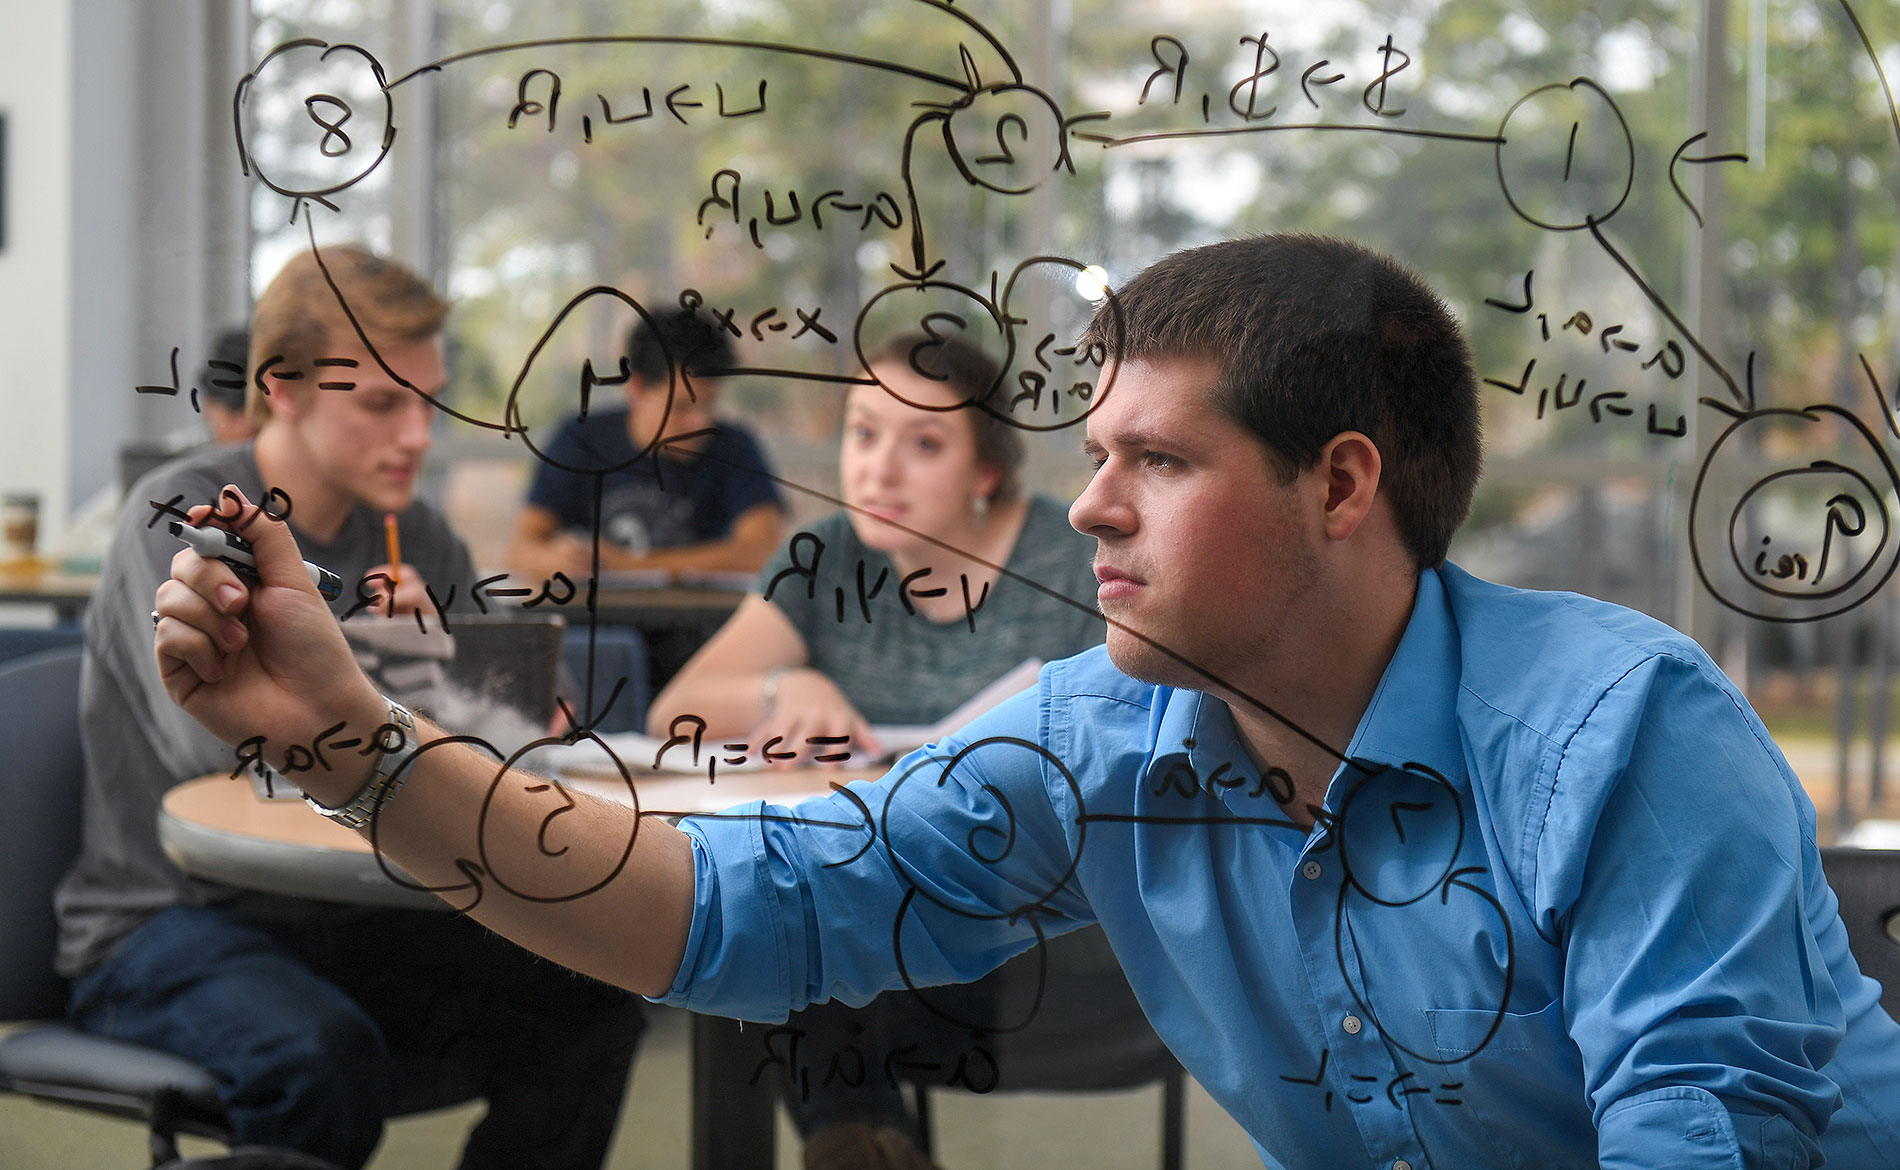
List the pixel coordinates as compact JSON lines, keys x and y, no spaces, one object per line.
{"x":1880,"y":396}
{"x":1699,"y":160}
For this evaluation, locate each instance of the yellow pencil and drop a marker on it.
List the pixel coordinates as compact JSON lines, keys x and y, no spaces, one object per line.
{"x":395,"y":550}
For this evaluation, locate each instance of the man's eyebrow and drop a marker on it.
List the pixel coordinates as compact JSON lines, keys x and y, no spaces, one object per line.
{"x":1123,"y":440}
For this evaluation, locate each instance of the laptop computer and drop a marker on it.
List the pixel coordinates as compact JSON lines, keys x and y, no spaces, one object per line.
{"x":492,"y":675}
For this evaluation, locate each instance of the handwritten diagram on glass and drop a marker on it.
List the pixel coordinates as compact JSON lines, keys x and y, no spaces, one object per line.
{"x":818,"y":180}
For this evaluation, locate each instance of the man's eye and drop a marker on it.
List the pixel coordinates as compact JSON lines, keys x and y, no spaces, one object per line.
{"x":1161,"y":461}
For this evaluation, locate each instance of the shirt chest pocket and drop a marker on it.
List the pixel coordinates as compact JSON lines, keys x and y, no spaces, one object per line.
{"x":1520,"y":1085}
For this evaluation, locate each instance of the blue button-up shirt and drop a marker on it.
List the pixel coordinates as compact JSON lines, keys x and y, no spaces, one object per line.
{"x":1564,"y":906}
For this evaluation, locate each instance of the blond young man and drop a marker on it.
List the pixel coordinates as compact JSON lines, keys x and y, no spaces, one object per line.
{"x":317,"y":1019}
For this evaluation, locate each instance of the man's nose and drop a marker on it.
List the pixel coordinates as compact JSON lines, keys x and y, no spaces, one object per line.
{"x":1100,"y":511}
{"x":415,"y":432}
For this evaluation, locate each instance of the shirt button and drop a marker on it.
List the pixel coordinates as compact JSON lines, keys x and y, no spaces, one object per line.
{"x":1311,"y":869}
{"x":1401,"y":1164}
{"x":1352,"y":1025}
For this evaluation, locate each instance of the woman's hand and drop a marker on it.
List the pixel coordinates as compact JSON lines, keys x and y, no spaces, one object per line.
{"x":263,"y":658}
{"x":807,"y":705}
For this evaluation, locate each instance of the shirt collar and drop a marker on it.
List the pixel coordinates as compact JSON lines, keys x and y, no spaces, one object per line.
{"x":1412,"y":718}
{"x":1198,"y":756}
{"x":1197,"y":729}
{"x":1413,"y":715}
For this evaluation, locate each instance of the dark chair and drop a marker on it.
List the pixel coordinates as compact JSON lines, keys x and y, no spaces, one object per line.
{"x":45,"y":1057}
{"x":49,"y":1059}
{"x":19,"y":641}
{"x":1867,"y":882}
{"x":620,"y":652}
{"x":1088,"y":1035}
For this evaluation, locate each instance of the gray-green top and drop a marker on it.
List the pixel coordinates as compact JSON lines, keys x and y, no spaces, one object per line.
{"x":897,"y":666}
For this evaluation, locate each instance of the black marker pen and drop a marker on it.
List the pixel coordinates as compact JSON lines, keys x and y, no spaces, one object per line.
{"x":218,"y":545}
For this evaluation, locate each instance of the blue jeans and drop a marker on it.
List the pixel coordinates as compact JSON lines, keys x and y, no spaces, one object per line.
{"x":315,"y":1029}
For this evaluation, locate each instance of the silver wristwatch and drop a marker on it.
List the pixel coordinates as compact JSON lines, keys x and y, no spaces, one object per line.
{"x":383,"y":781}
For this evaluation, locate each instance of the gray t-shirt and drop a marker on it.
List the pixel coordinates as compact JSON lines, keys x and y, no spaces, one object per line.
{"x":854,"y":611}
{"x":137,"y":742}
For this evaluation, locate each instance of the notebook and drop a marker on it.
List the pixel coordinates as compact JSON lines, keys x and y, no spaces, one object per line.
{"x":645,"y":751}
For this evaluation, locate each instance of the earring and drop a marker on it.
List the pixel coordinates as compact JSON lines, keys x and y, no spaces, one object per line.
{"x":980,"y":509}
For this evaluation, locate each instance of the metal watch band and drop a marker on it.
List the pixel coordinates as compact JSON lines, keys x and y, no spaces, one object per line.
{"x":383,"y":781}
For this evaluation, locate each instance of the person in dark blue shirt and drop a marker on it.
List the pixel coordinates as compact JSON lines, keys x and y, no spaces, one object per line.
{"x":681,"y":489}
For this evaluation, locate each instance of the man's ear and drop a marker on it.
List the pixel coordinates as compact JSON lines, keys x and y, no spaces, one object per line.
{"x":1351,"y":465}
{"x":288,"y":401}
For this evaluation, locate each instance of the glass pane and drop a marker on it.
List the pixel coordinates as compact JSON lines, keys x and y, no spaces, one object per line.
{"x":800,"y":166}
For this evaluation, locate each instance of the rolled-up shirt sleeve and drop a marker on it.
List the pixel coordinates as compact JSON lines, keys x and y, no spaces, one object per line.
{"x":936,"y":873}
{"x":1695,"y":989}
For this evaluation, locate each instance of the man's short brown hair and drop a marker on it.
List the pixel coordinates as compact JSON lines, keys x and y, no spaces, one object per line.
{"x":299,"y":318}
{"x":1315,"y":336}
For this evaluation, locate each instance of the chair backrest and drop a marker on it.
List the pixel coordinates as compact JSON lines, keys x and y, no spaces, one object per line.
{"x":41,"y":771}
{"x":1867,"y":882}
{"x":513,"y":660}
{"x":20,"y":641}
{"x":620,"y":652}
{"x":1086,"y":1032}
{"x":1089,"y":1033}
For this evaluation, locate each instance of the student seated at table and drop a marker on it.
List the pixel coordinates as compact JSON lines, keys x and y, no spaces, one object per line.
{"x":313,"y":1016}
{"x":937,"y":623}
{"x":703,"y":501}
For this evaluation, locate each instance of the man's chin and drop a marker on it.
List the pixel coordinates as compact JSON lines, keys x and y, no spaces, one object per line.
{"x":388,"y":500}
{"x":1144,"y":661}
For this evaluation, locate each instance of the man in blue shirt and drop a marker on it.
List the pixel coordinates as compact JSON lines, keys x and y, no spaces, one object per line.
{"x":1410,"y":869}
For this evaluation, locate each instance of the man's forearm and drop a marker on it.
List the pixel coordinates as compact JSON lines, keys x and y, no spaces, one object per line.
{"x":583,"y":881}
